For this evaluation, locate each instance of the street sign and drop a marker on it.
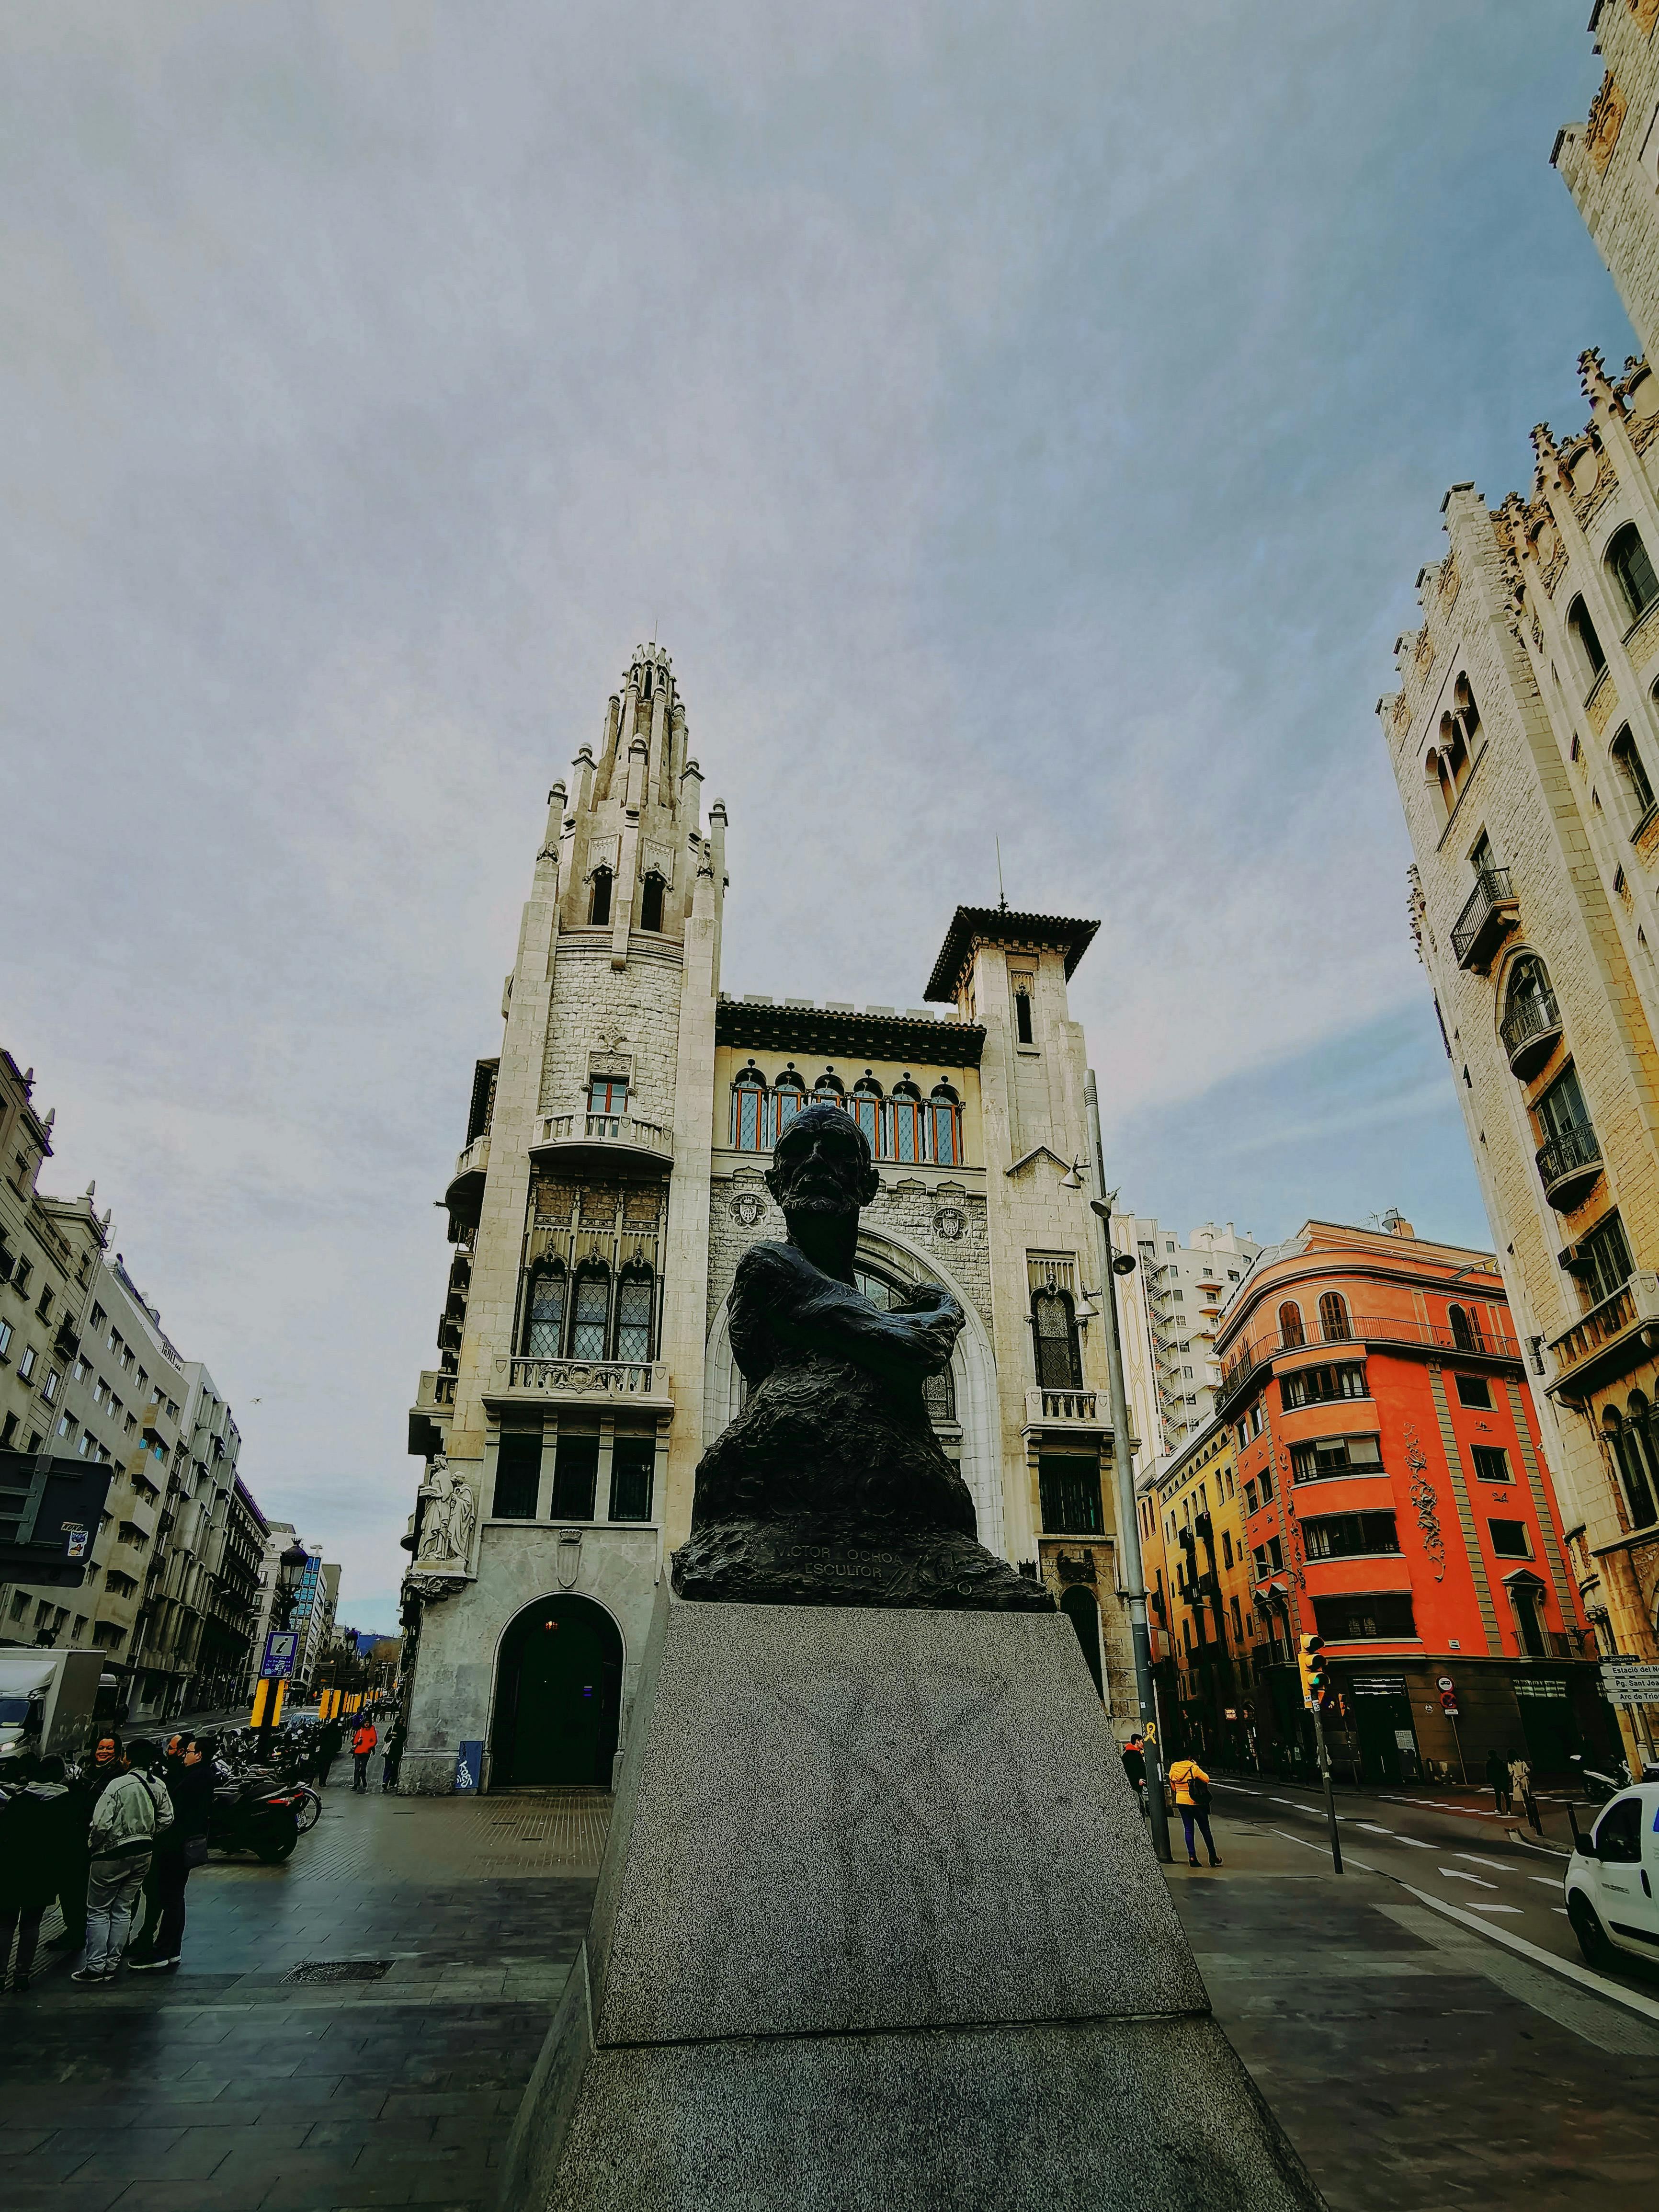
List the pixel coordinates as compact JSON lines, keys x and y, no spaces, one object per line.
{"x":469,"y":1763}
{"x":282,"y":1650}
{"x":1444,"y":1683}
{"x":1630,"y":1683}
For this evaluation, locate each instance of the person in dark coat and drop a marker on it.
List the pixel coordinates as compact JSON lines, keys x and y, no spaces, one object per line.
{"x":330,"y":1738}
{"x":37,"y":1826}
{"x":189,"y":1777}
{"x":1498,"y":1778}
{"x":107,"y":1764}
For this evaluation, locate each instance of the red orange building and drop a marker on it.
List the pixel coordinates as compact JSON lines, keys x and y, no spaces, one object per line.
{"x":1396,"y":1502}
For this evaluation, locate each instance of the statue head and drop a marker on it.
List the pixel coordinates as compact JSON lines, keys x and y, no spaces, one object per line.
{"x":821,"y":1164}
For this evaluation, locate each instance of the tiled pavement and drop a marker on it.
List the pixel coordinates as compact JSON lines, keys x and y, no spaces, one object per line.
{"x":227,"y":2088}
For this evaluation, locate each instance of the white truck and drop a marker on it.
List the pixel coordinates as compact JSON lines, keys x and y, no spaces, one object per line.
{"x":47,"y":1700}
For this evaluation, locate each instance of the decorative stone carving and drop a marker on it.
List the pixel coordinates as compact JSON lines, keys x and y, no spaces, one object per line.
{"x":1604,"y":121}
{"x":950,"y":1224}
{"x":830,"y":1488}
{"x":747,"y":1207}
{"x":447,"y":1523}
{"x":1424,"y":1500}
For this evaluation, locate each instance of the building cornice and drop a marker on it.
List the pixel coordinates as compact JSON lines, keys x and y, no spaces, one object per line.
{"x":843,"y":1033}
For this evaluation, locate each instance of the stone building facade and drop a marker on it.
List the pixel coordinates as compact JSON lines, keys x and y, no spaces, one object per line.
{"x":1610,"y":162}
{"x":613,"y":1175}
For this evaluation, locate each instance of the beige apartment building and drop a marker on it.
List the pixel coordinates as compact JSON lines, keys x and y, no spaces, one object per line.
{"x":1525,"y":741}
{"x":613,"y":1173}
{"x":1171,"y":1310}
{"x":87,"y":1371}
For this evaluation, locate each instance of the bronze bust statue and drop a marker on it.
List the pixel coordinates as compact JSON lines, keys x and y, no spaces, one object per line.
{"x":830,"y":1488}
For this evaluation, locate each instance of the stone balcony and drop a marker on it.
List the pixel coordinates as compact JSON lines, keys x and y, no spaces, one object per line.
{"x":595,"y":1141}
{"x":429,"y":1416}
{"x":1077,"y":1411}
{"x":464,"y":1196}
{"x":1490,"y":912}
{"x":1620,"y":1333}
{"x":637,"y":1384}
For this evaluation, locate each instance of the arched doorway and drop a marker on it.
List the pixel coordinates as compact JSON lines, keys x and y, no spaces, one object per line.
{"x":1078,"y":1606}
{"x":558,"y":1695}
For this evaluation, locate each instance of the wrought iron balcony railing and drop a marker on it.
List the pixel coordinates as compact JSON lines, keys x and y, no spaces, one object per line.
{"x":1530,"y":1030}
{"x":1568,"y":1163}
{"x":1489,"y":914}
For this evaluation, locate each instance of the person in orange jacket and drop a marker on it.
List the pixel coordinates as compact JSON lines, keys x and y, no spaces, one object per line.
{"x":362,"y":1750}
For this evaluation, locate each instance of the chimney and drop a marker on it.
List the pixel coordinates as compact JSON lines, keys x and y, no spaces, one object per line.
{"x":1397,"y":1224}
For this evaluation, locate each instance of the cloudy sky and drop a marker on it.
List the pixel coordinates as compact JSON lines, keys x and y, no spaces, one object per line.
{"x":1018,"y":422}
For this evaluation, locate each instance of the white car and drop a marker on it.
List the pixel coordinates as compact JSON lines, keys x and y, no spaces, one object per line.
{"x":1613,"y":1880}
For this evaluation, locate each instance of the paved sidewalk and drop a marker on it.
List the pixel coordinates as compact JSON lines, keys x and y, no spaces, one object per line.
{"x":231,"y":2087}
{"x":1416,"y":2064}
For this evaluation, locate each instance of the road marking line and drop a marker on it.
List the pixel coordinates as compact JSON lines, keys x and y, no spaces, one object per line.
{"x":1349,"y":1860}
{"x":1416,"y":1843}
{"x":1372,"y":1825}
{"x":1462,"y":1811}
{"x":1567,"y":1968}
{"x":1545,"y":1882}
{"x":1479,"y":1907}
{"x":1497,"y":1866}
{"x":1456,"y":1874}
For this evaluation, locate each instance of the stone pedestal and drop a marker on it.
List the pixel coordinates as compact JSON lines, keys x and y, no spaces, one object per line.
{"x":879,"y":1924}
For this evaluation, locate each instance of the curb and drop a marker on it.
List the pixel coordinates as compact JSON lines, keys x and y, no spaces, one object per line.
{"x":1529,"y":1844}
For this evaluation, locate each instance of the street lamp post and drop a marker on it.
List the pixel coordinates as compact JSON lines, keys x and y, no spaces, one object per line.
{"x":290,"y":1575}
{"x":1128,"y":1524}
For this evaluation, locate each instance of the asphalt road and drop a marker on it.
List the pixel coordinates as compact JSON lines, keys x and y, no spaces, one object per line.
{"x":1463,"y":1858}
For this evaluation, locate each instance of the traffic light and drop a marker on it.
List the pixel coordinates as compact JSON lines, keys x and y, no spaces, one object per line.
{"x":1317,"y":1693}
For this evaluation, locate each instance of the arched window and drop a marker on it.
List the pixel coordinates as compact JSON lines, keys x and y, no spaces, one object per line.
{"x":1633,"y":571}
{"x":904,"y":1123}
{"x":788,"y":1097}
{"x":1633,"y":773}
{"x":1465,"y":1329}
{"x":1634,"y":1468}
{"x":1290,"y":1325}
{"x":591,"y":1313}
{"x":543,"y":1337}
{"x":865,"y":1110}
{"x":635,"y":1306}
{"x":651,"y":901}
{"x":1078,"y":1604}
{"x":1641,"y":1441}
{"x":944,"y":1126}
{"x":1593,"y":660}
{"x":1053,"y":1333}
{"x":749,"y":1111}
{"x":1023,"y":1012}
{"x":1454,"y":759}
{"x":599,"y":910}
{"x":1469,"y":716}
{"x":1529,"y":1006}
{"x":829,"y":1090}
{"x":1333,"y":1317}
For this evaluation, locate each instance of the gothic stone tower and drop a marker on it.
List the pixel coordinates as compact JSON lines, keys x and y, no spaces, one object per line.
{"x":575,"y":1319}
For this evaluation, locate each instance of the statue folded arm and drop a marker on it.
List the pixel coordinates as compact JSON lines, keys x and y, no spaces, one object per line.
{"x":781,"y":1303}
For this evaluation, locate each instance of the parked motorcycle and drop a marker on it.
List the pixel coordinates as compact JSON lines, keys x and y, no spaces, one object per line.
{"x":259,"y":1815}
{"x":1597,"y":1786}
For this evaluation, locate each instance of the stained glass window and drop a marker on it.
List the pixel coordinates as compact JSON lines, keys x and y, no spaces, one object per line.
{"x":592,"y":1307}
{"x":544,"y":1340}
{"x":635,"y":1297}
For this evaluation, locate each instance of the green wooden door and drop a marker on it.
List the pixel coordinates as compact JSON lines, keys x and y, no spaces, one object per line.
{"x":560,"y":1689}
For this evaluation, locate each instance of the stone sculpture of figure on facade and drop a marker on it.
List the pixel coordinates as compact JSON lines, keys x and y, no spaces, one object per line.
{"x":831,"y":1487}
{"x":447,"y":1525}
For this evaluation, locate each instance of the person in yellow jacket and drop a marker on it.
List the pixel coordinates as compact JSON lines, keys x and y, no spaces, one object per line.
{"x":1191,"y":1785}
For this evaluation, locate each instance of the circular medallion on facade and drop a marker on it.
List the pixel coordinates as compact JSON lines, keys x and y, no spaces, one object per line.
{"x":747,"y":1207}
{"x":949,"y":1223}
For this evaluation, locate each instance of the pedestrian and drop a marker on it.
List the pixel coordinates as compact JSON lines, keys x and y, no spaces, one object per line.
{"x":1192,"y":1789}
{"x":330,"y":1738}
{"x":35,"y":1826}
{"x":1134,"y":1766}
{"x":396,"y":1736}
{"x":362,"y":1750}
{"x":1521,"y":1788}
{"x":120,"y":1840}
{"x":1498,"y":1775}
{"x":189,"y":1776}
{"x":86,"y":1785}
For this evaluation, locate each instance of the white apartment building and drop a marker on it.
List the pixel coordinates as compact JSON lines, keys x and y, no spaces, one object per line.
{"x":1172,"y":1308}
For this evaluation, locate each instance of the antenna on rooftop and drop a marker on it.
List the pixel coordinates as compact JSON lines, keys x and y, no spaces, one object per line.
{"x":1002,"y":895}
